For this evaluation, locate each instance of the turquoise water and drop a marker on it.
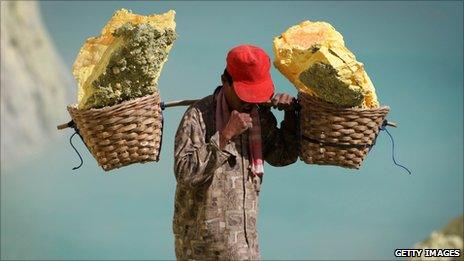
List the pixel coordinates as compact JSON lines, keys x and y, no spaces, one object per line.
{"x":411,"y":50}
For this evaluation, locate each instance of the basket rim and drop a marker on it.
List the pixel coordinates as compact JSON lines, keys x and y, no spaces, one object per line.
{"x":338,"y":107}
{"x":116,"y":106}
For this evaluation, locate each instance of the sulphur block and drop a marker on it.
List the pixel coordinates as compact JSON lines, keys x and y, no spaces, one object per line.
{"x":313,"y":56}
{"x":125,"y":61}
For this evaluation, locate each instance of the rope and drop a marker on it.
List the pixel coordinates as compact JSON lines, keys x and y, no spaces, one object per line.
{"x":342,"y":146}
{"x":76,"y":131}
{"x":384,"y":128}
{"x":360,"y":146}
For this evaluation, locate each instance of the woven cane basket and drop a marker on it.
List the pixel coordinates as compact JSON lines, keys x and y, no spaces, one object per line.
{"x":339,"y":136}
{"x":126,"y":133}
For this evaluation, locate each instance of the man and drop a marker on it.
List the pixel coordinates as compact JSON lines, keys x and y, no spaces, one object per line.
{"x":220,"y":146}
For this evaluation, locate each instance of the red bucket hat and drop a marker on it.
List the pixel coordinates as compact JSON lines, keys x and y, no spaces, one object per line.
{"x":249,"y":67}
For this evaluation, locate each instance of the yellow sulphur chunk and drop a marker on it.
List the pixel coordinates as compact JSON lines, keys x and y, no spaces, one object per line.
{"x":95,"y":55}
{"x":313,"y":56}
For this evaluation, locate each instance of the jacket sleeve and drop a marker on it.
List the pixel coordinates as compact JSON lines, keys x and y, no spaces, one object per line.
{"x":195,"y":160}
{"x":280,"y":146}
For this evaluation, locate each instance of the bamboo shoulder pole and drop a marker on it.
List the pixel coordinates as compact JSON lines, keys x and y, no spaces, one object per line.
{"x":65,"y":125}
{"x":176,"y":104}
{"x":163,"y":105}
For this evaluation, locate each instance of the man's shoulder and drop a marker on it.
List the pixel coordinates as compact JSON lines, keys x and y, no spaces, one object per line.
{"x":198,"y":114}
{"x":198,"y":110}
{"x":203,"y":105}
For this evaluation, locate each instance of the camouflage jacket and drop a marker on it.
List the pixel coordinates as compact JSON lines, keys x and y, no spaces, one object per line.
{"x":216,"y":202}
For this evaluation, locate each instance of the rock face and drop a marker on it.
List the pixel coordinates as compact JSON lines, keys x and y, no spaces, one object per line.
{"x":35,"y":84}
{"x":450,"y":237}
{"x":313,"y":56}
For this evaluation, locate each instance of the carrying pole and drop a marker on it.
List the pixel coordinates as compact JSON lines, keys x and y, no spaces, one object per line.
{"x":165,"y":105}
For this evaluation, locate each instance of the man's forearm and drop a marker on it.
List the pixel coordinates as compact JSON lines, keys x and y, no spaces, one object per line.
{"x":224,"y":139}
{"x":194,"y":164}
{"x":290,"y":120}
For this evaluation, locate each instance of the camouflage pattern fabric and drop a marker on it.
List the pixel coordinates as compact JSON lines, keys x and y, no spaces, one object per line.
{"x":217,"y":197}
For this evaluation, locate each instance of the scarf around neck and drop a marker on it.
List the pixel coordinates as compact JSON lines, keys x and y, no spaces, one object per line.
{"x":254,"y":133}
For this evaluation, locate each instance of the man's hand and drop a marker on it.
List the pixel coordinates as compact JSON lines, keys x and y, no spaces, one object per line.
{"x":238,"y":123}
{"x":283,"y":101}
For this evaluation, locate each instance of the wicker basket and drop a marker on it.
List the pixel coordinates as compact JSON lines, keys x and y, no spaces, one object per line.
{"x":126,"y":133}
{"x":333,"y":135}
